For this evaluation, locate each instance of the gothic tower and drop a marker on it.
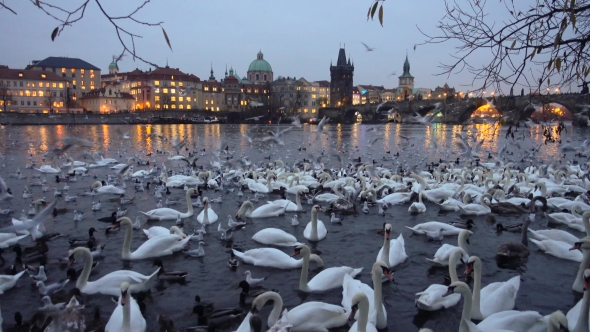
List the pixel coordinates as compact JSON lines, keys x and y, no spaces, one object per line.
{"x":406,"y":81}
{"x":341,"y":81}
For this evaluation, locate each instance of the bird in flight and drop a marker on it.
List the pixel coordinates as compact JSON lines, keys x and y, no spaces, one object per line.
{"x":369,"y":49}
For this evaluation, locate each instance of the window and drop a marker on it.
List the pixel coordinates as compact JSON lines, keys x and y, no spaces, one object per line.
{"x":156,"y":83}
{"x":158,"y":106}
{"x":21,"y":84}
{"x":28,"y":93}
{"x":206,"y":108}
{"x":34,"y":103}
{"x":41,"y":94}
{"x":157,"y":98}
{"x":313,"y":96}
{"x":92,"y":84}
{"x":181,"y":98}
{"x":165,"y":90}
{"x":82,"y":71}
{"x":61,"y":103}
{"x":313,"y":110}
{"x":74,"y":83}
{"x":257,"y":77}
{"x":305,"y":110}
{"x":73,"y":70}
{"x":265,"y":77}
{"x":172,"y":83}
{"x":187,"y":98}
{"x":217,"y":108}
{"x":206,"y":88}
{"x":157,"y":90}
{"x":63,"y":70}
{"x":211,"y":102}
{"x":173,"y":98}
{"x":181,"y":106}
{"x":54,"y":85}
{"x":214,"y":88}
{"x":180,"y":84}
{"x":91,"y":73}
{"x":22,"y":103}
{"x":206,"y":102}
{"x":188,"y":107}
{"x":172,"y":90}
{"x":82,"y":84}
{"x":61,"y":85}
{"x":28,"y":103}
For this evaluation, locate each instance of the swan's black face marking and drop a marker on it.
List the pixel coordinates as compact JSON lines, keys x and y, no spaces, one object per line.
{"x":123,"y":296}
{"x":353,"y":311}
{"x":467,"y":240}
{"x":72,"y":260}
{"x":469,"y":268}
{"x":296,"y":252}
{"x":387,"y":272}
{"x":586,"y":283}
{"x":577,"y":245}
{"x":450,"y":290}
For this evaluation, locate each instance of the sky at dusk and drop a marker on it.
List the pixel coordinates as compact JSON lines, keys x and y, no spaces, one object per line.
{"x":298,"y":38}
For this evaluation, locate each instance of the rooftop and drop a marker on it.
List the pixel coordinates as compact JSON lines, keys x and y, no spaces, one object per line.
{"x":63,"y":62}
{"x":24,"y":74}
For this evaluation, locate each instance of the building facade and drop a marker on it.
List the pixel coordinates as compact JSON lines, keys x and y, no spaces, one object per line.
{"x":159,"y":89}
{"x":82,"y":76}
{"x":296,"y":96}
{"x":32,"y":91}
{"x":108,"y":99}
{"x":341,"y":81}
{"x":260,"y":71}
{"x":370,"y":94}
{"x":322,"y":88}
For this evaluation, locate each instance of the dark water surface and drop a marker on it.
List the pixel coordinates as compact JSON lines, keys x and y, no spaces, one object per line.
{"x":547,"y":280}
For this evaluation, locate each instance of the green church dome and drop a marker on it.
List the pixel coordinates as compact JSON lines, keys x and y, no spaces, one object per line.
{"x":260,"y":64}
{"x":113,"y":65}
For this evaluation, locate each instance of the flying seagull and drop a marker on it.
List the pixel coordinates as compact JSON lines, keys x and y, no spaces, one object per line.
{"x":369,"y":49}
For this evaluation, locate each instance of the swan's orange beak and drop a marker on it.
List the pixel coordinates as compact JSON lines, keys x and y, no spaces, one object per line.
{"x":388,"y":234}
{"x":469,"y":269}
{"x":388,"y":274}
{"x":353,"y":312}
{"x":577,"y":245}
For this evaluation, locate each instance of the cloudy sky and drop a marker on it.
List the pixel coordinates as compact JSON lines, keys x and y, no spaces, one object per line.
{"x":298,"y":38}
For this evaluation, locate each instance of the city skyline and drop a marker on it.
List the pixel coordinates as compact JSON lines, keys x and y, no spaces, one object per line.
{"x":292,"y":49}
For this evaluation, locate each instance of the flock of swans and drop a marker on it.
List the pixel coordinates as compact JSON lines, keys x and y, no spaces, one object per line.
{"x":473,"y":189}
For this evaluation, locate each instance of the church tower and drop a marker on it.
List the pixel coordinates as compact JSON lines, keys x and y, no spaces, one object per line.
{"x":406,"y":81}
{"x":113,"y":67}
{"x":341,"y":81}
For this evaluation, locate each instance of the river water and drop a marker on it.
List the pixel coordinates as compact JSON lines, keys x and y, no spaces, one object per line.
{"x":547,"y":280}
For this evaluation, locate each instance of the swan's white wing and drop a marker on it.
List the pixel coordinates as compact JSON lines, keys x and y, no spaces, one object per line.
{"x":512,"y":320}
{"x":156,"y":246}
{"x":499,"y":296}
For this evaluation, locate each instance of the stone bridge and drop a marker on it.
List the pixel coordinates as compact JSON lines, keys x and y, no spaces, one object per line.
{"x":457,"y":110}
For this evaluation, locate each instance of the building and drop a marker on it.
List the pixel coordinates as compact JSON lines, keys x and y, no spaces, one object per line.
{"x":443,"y":92}
{"x":296,"y":96}
{"x":83,"y":76}
{"x":406,"y":81}
{"x":260,"y":71}
{"x":356,"y":96}
{"x":323,"y":91}
{"x":108,"y":99}
{"x":212,"y":92}
{"x":242,"y":94}
{"x":370,"y":94}
{"x":32,"y":91}
{"x":341,"y":81}
{"x":161,"y":88}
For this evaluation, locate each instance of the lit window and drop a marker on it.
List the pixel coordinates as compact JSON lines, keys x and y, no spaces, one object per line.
{"x":28,"y":93}
{"x":157,"y":98}
{"x":217,"y":108}
{"x":43,"y":76}
{"x":211,"y":102}
{"x":173,"y":98}
{"x":157,"y":90}
{"x":21,"y":93}
{"x":61,"y":85}
{"x":61,"y":103}
{"x":206,"y":102}
{"x":181,"y":98}
{"x":305,"y":110}
{"x":73,"y":70}
{"x":81,"y":71}
{"x":92,"y":84}
{"x":206,"y":88}
{"x":187,"y":98}
{"x":181,"y":106}
{"x":180,"y":84}
{"x":313,"y":110}
{"x":156,"y":83}
{"x":63,"y":70}
{"x":172,"y":90}
{"x":74,"y":82}
{"x":313,"y":96}
{"x":165,"y":90}
{"x":172,"y":83}
{"x":173,"y":106}
{"x":206,"y":108}
{"x":40,"y":93}
{"x":255,"y":90}
{"x":214,"y":89}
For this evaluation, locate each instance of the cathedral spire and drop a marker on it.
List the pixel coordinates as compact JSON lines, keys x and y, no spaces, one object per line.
{"x":212,"y":78}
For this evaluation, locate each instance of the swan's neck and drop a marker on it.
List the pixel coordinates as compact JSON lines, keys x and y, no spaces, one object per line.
{"x":466,"y":314}
{"x":189,"y":204}
{"x":127,"y":314}
{"x":304,"y":272}
{"x":314,"y":224}
{"x":482,"y":201}
{"x":276,"y":308}
{"x":83,"y":278}
{"x":378,"y":295}
{"x":475,"y":307}
{"x":298,"y":201}
{"x":385,"y":253}
{"x":205,"y":213}
{"x":463,"y":245}
{"x":126,"y":252}
{"x":420,"y":197}
{"x":363,"y":316}
{"x":582,"y":324}
{"x":586,"y":222}
{"x":578,"y":283}
{"x":453,"y":266}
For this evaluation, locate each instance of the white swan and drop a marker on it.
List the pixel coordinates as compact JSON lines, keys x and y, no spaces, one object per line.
{"x":495,"y":297}
{"x":476,"y":209}
{"x":432,"y":298}
{"x":553,"y":234}
{"x":452,"y":204}
{"x":584,"y":246}
{"x":127,"y":316}
{"x":308,"y":316}
{"x":109,"y":284}
{"x":441,"y":257}
{"x":558,"y":249}
{"x":511,"y":320}
{"x":360,"y":303}
{"x":264,"y":211}
{"x":155,"y":247}
{"x":435,"y":226}
{"x":350,"y":286}
{"x":106,"y":189}
{"x":396,"y":198}
{"x":327,"y":279}
{"x":48,"y":169}
{"x":207,"y":216}
{"x":159,"y":230}
{"x":315,"y":229}
{"x":393,"y":251}
{"x":417,"y":207}
{"x":276,"y":237}
{"x":577,"y":322}
{"x":8,"y":281}
{"x":271,"y":257}
{"x":171,"y":214}
{"x":290,"y":206}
